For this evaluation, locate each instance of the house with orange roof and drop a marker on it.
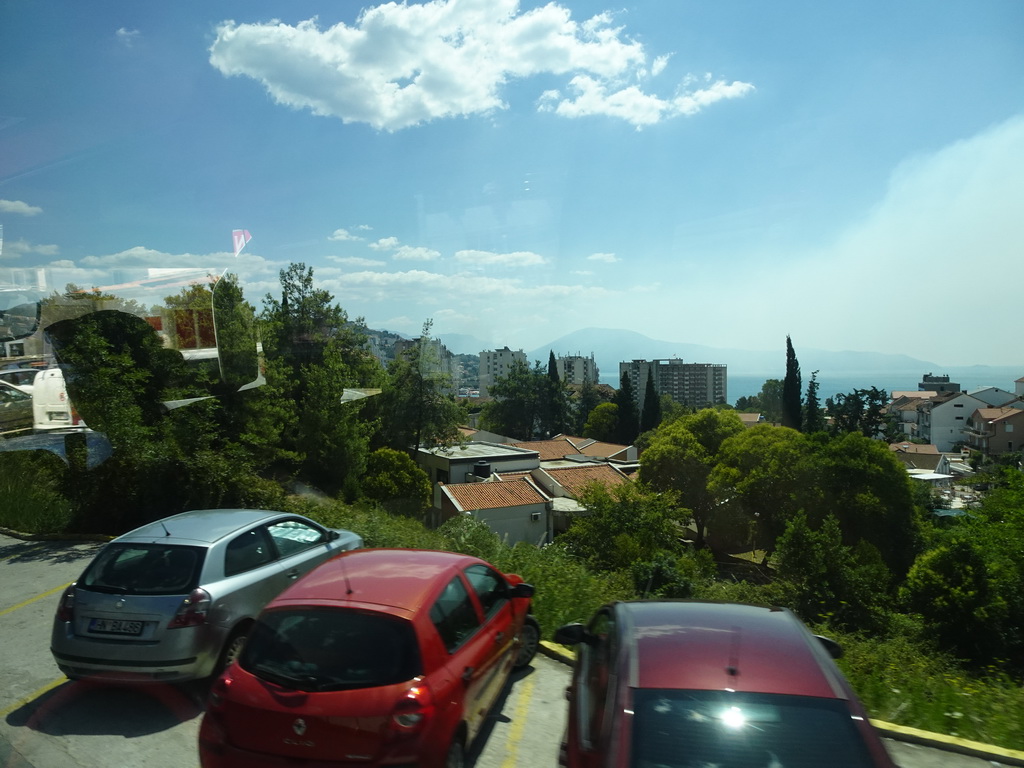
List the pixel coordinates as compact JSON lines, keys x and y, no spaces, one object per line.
{"x":516,"y":509}
{"x":995,"y":431}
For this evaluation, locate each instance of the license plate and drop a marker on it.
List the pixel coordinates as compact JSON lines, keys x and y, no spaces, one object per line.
{"x":116,"y":626}
{"x":58,"y":416}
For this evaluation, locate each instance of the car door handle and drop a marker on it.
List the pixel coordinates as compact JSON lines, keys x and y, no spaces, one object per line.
{"x":500,"y":637}
{"x":467,"y":674}
{"x":293,"y":573}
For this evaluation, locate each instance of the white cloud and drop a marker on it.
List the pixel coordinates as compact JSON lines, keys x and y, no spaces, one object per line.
{"x":415,"y":253}
{"x":400,"y":65}
{"x":342,"y":235}
{"x":127,"y":37}
{"x":20,"y":208}
{"x":355,"y":261}
{"x":19,"y":248}
{"x":607,"y":258}
{"x":385,"y":244}
{"x":596,"y":97}
{"x":488,"y":258}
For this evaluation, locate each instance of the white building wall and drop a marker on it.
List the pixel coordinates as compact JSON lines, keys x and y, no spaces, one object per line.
{"x":496,"y":363}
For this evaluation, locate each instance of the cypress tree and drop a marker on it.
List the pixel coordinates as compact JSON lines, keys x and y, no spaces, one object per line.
{"x":650,"y":418}
{"x":629,"y":419}
{"x":791,"y":411}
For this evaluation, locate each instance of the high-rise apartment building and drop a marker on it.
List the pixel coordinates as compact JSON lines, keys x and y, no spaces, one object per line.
{"x":576,"y":369}
{"x":696,"y":385}
{"x":496,"y":363}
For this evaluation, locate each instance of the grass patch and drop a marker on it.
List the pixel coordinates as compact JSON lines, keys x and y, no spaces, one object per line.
{"x":31,"y":500}
{"x":902,"y":682}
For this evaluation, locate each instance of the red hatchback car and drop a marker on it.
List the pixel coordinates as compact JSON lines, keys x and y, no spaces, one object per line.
{"x":388,"y":657}
{"x":688,"y":684}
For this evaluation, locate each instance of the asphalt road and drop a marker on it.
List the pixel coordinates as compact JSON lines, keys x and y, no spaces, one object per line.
{"x":47,"y":721}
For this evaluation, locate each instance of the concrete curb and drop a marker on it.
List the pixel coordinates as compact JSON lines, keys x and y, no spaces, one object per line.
{"x":886,"y":730}
{"x":54,"y":536}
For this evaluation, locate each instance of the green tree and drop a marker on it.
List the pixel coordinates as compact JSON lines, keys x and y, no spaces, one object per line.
{"x":395,"y":481}
{"x":770,"y":399}
{"x":629,"y":420}
{"x":864,"y":411}
{"x":603,"y":423}
{"x":822,"y":578}
{"x":650,"y":418}
{"x":814,"y":419}
{"x":860,"y":482}
{"x":517,"y":403}
{"x":556,"y":401}
{"x":681,"y":456}
{"x":313,"y":353}
{"x":622,"y":525}
{"x":791,"y":412}
{"x":952,"y":588}
{"x":588,"y":398}
{"x":416,"y":405}
{"x":758,"y":471}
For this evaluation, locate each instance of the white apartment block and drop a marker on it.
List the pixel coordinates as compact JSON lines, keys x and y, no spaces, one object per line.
{"x":942,"y":420}
{"x":696,"y":385}
{"x":496,"y":363}
{"x":576,"y":369}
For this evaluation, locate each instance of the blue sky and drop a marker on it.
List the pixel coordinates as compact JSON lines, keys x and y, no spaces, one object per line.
{"x":715,"y":173}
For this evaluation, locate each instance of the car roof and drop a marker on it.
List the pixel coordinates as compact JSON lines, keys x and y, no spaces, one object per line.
{"x":199,"y":526}
{"x":699,"y":645}
{"x":401,"y":579}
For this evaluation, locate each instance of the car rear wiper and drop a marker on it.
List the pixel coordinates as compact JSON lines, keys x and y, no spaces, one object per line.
{"x":110,"y":589}
{"x":299,"y":682}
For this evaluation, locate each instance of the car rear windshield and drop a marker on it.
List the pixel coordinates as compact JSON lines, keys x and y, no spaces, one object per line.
{"x":144,"y":569}
{"x":674,"y":728}
{"x":331,"y":649}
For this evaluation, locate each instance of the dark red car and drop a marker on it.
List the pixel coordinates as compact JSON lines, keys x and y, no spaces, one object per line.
{"x":390,"y":657}
{"x":687,"y":684}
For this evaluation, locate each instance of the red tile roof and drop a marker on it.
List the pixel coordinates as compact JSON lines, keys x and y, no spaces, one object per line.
{"x":550,"y":450}
{"x":507,"y":493}
{"x":605,"y":450}
{"x":575,"y":479}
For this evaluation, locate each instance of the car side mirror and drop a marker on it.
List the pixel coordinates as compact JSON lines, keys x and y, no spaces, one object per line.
{"x":835,"y":650}
{"x":572,"y":634}
{"x":522,"y":590}
{"x":333,"y":535}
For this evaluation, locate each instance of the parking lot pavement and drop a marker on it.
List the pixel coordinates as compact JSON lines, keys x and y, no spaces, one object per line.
{"x":47,"y":721}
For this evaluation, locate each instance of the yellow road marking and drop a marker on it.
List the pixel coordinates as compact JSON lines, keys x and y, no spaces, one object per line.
{"x":23,"y":603}
{"x":515,"y":732}
{"x":34,"y":695}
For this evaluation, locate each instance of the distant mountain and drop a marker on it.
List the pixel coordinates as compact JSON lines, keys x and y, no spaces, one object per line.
{"x":612,"y":346}
{"x":462,"y":344}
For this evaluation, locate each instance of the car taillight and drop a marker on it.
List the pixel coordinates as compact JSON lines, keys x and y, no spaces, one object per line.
{"x":192,"y":610}
{"x":66,"y":606}
{"x":413,"y":711}
{"x":219,"y":691}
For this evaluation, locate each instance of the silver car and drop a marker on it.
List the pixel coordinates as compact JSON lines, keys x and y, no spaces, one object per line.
{"x":173,"y":600}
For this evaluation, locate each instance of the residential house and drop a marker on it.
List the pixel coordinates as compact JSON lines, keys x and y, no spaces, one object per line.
{"x":516,"y":509}
{"x":904,"y":407}
{"x":942,"y":420}
{"x":921,"y":457}
{"x":995,"y":431}
{"x":472,"y":462}
{"x":565,"y":483}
